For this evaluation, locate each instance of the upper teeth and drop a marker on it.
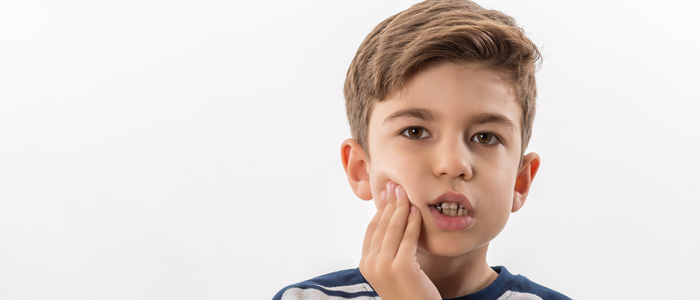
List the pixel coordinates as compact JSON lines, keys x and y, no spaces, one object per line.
{"x":449,"y":205}
{"x":451,"y":209}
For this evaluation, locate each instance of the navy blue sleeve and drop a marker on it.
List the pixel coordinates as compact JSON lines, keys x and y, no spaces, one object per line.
{"x":346,"y":284}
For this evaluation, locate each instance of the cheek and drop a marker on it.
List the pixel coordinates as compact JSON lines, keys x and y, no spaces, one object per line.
{"x":496,"y":192}
{"x":401,"y":169}
{"x":495,"y":203}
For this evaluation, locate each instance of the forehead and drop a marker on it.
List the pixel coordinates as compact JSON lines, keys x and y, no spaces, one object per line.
{"x":453,"y":92}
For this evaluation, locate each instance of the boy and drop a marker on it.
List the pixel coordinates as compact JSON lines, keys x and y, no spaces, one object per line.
{"x":440,"y":100}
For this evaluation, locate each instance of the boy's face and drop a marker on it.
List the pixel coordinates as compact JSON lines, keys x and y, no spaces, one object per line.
{"x":452,"y":129}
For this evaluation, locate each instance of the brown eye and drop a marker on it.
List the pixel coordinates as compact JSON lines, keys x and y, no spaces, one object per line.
{"x":415,"y":133}
{"x":486,"y":138}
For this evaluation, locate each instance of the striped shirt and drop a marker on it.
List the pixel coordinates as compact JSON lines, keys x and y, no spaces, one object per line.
{"x":349,"y":284}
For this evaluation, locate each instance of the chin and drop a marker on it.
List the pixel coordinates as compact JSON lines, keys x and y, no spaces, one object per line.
{"x":447,"y":245}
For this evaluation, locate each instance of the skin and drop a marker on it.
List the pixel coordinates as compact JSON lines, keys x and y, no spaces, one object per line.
{"x":451,"y":128}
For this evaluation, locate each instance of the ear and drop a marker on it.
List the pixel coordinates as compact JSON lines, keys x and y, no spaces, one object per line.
{"x":528,"y":169}
{"x":355,"y":164}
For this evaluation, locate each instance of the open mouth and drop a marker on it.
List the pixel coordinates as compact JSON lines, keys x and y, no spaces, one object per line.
{"x":452,"y":209}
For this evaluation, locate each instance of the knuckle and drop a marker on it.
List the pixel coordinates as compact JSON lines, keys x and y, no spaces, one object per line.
{"x":402,"y":266}
{"x":370,"y":261}
{"x":409,"y":234}
{"x":382,"y":272}
{"x":393,"y":229}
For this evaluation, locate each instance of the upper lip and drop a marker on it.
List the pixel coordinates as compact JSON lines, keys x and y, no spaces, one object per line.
{"x":455,"y":197}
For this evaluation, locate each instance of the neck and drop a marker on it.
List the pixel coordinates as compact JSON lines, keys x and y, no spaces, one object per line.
{"x":458,"y":276}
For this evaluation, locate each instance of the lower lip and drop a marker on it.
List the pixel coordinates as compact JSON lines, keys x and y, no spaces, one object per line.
{"x":450,"y":223}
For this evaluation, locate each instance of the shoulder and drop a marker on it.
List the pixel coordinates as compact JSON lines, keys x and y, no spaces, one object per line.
{"x":523,"y":288}
{"x":345,"y":284}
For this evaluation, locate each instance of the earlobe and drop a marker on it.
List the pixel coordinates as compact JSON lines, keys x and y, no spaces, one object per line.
{"x":355,"y":165}
{"x":523,"y":181}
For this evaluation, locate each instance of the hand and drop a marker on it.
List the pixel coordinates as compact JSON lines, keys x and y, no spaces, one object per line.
{"x":389,"y":261}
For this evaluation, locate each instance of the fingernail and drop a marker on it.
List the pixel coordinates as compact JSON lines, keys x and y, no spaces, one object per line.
{"x":390,"y":187}
{"x":414,"y":209}
{"x":383,"y":195}
{"x":399,"y":191}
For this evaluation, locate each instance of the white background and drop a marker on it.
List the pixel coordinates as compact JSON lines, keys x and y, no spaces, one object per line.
{"x":190,"y":149}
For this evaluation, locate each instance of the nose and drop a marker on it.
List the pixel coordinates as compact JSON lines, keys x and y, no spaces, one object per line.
{"x":452,"y":159}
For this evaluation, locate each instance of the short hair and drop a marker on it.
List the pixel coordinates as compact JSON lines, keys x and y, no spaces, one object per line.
{"x":432,"y":32}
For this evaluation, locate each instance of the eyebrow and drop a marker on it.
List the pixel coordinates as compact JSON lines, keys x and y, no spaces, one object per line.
{"x":495,"y":118}
{"x":420,"y":113}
